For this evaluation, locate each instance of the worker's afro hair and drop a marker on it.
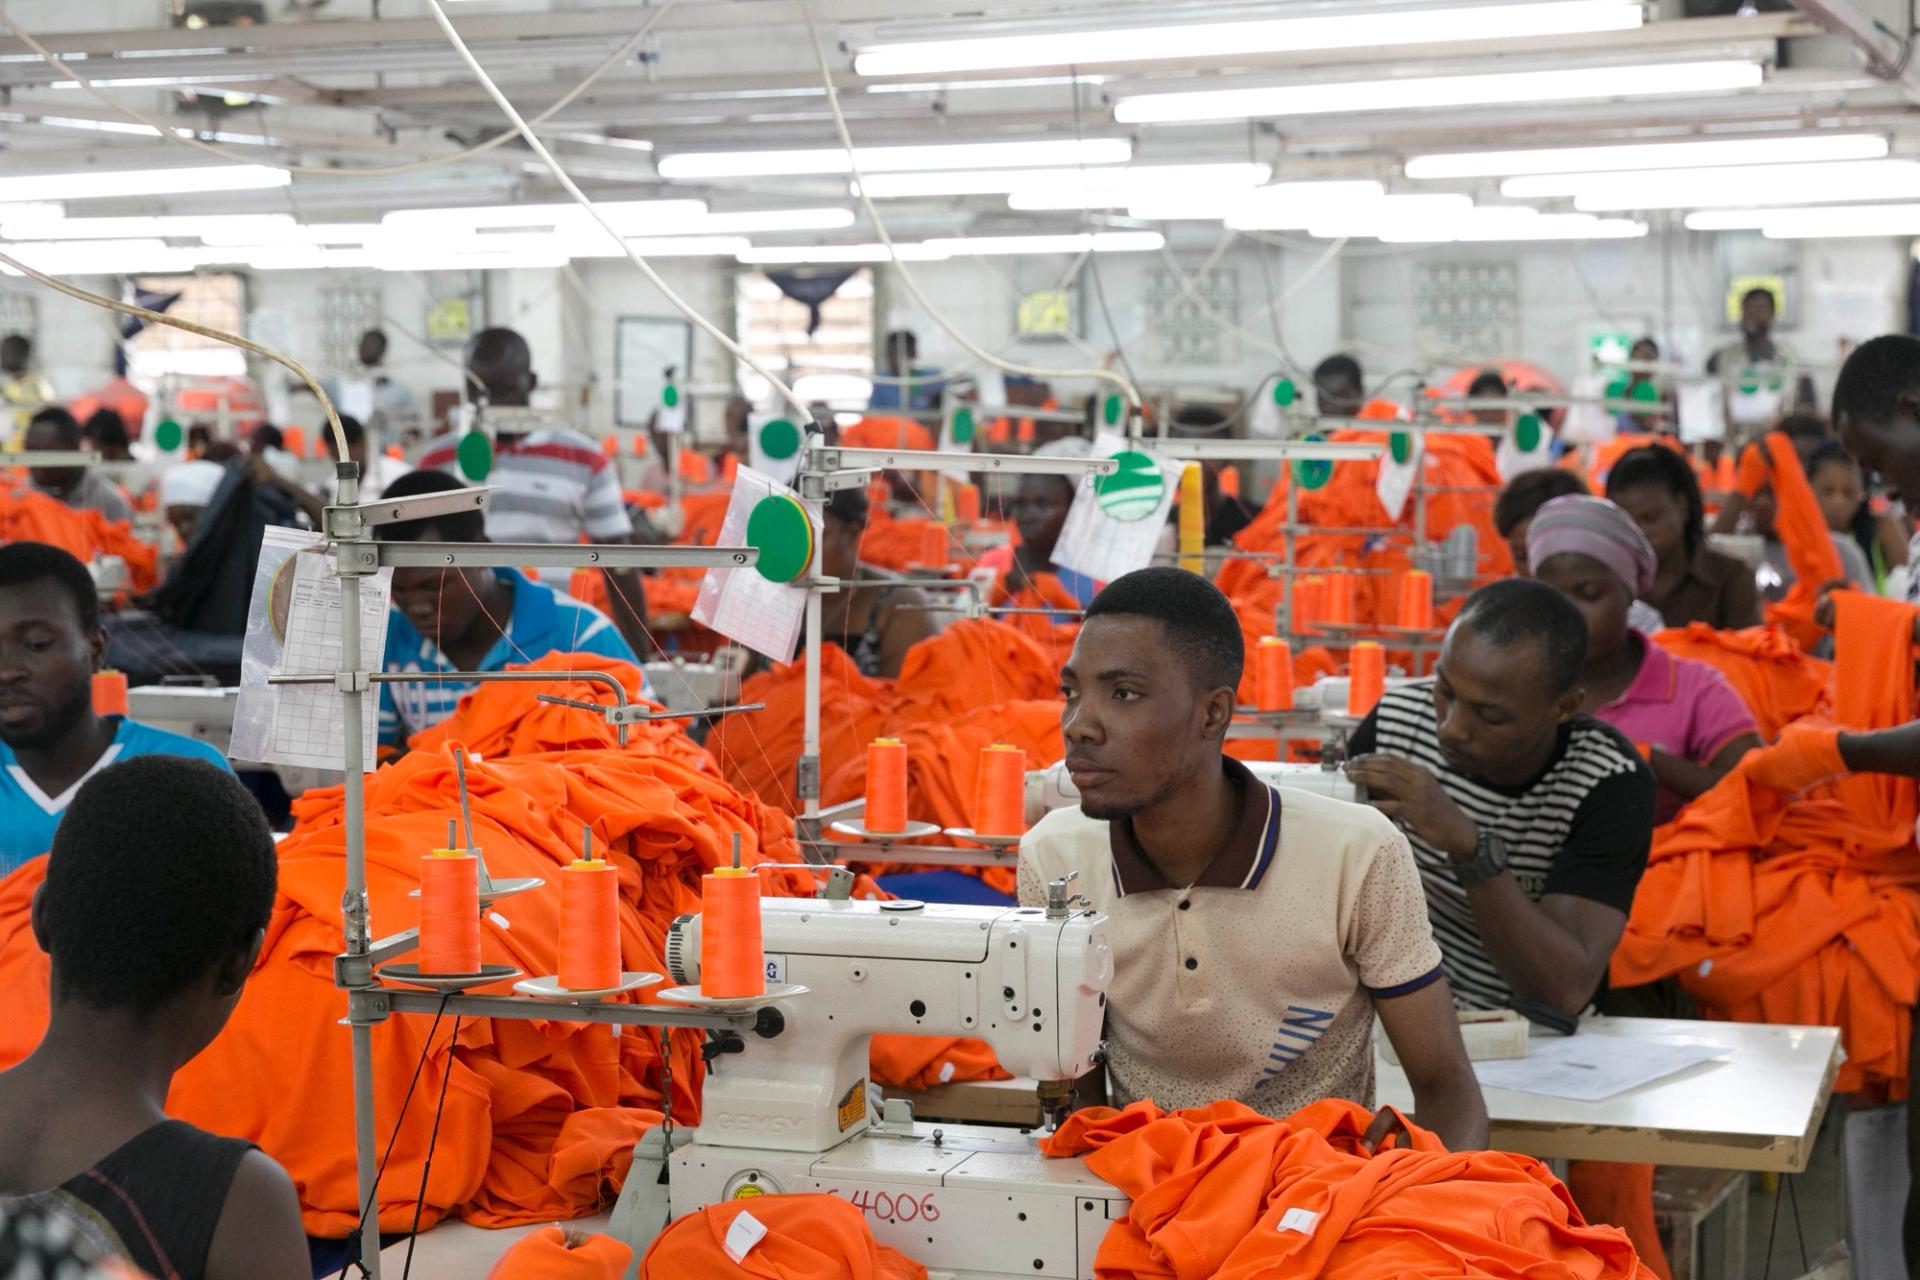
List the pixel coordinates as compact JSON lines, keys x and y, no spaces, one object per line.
{"x":461,"y":526}
{"x":1516,"y":611}
{"x":1874,"y":378}
{"x":162,"y":867}
{"x":1201,"y":625}
{"x":27,"y":563}
{"x":1531,"y":490}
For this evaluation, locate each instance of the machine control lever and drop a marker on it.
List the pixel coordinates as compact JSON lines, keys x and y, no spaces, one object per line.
{"x":1060,"y":898}
{"x":720,"y":1042}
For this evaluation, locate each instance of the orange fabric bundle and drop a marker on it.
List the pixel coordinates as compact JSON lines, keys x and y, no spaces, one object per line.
{"x":1042,"y":591}
{"x":921,"y":1062}
{"x":879,"y":432}
{"x":1802,"y":529}
{"x":27,"y":515}
{"x":546,"y":1255}
{"x":1222,"y":1191}
{"x":809,"y":1237}
{"x":1777,"y":681}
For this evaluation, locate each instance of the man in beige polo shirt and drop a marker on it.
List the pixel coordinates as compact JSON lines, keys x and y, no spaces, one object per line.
{"x":1256,"y":931}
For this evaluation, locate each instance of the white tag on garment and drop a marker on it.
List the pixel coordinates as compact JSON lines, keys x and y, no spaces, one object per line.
{"x":1301,"y":1220}
{"x":746,"y":1232}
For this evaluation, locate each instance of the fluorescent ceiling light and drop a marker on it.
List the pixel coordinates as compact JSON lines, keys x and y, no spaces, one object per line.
{"x":1750,"y":185}
{"x":1741,"y":219}
{"x":626,"y":215}
{"x":837,"y":253}
{"x":1295,"y":206}
{"x":1116,"y":187}
{"x":1510,"y":222}
{"x":253,"y":228}
{"x":105,"y":257}
{"x":34,"y":211}
{"x":1388,"y":213}
{"x":1274,"y":35}
{"x":1098,"y":242}
{"x":127,"y":183}
{"x":961,"y":86}
{"x":967,"y":182}
{"x":1651,"y":155}
{"x":837,"y":219}
{"x":964,"y":155}
{"x":1814,"y":222}
{"x":1568,"y":84}
{"x":690,"y":246}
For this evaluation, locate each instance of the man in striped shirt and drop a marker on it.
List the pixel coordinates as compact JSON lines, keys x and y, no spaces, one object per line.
{"x":1529,"y":821}
{"x":549,"y":485}
{"x":470,"y":620}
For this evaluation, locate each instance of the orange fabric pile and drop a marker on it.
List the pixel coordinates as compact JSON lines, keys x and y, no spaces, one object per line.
{"x":884,"y":432}
{"x":1801,"y":910}
{"x":1223,"y":1192}
{"x":1802,"y":529}
{"x":1778,"y":682}
{"x":27,"y":515}
{"x":808,"y":1237}
{"x":546,"y":1255}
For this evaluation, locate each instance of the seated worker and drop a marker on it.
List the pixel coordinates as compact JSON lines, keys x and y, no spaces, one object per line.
{"x":1876,"y":414}
{"x":50,"y":739}
{"x":867,"y":621}
{"x":1692,"y":582}
{"x":154,"y":909}
{"x":1530,"y":821}
{"x":1842,"y":491}
{"x":1338,"y":390}
{"x":105,"y":432}
{"x":470,"y":619}
{"x":375,"y":473}
{"x":1202,"y":867}
{"x":54,"y":429}
{"x":1039,"y":511}
{"x":1488,"y":385}
{"x":1683,"y":715}
{"x":1521,"y":500}
{"x":1226,"y":513}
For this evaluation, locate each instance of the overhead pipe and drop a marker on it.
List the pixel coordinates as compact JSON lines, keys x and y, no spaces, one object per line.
{"x":1887,"y":53}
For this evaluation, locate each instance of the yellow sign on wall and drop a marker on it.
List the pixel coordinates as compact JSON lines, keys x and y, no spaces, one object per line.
{"x":450,"y":320}
{"x":1739,"y":287}
{"x":1046,"y":313}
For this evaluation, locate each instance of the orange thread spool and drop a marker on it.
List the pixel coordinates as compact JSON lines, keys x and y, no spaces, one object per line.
{"x":110,"y":693}
{"x":1309,"y":602}
{"x":1000,"y":792}
{"x":294,"y":440}
{"x":886,"y":785}
{"x":589,"y":925}
{"x":1273,"y":675}
{"x":1366,"y":677}
{"x":1416,"y":600}
{"x":933,"y":547}
{"x":610,"y":445}
{"x":1340,"y":600}
{"x":732,"y":960}
{"x":966,"y":501}
{"x":449,"y":912}
{"x":395,"y":452}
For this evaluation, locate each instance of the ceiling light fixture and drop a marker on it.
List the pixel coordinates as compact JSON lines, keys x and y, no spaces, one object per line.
{"x":1273,"y":35}
{"x":1814,"y":222}
{"x":1082,"y":242}
{"x":1750,"y":185}
{"x":832,"y":254}
{"x":94,"y":184}
{"x":237,"y":228}
{"x":1428,"y":92}
{"x":964,"y":155}
{"x":1650,"y":155}
{"x":1115,"y":188}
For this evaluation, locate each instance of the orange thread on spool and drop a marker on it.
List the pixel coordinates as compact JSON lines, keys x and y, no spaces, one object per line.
{"x":1340,"y":599}
{"x":1366,"y":677}
{"x":1309,"y":602}
{"x":1273,"y":676}
{"x":886,"y":786}
{"x":395,"y":452}
{"x":732,"y":960}
{"x":1000,"y":792}
{"x":589,"y":925}
{"x":610,"y":445}
{"x":933,"y":547}
{"x":109,"y":693}
{"x":449,"y":912}
{"x":1416,"y":600}
{"x":966,"y":502}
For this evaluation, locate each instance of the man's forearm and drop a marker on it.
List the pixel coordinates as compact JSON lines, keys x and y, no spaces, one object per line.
{"x":627,"y":602}
{"x":1454,"y":1108}
{"x":1895,"y":751}
{"x":1535,"y":953}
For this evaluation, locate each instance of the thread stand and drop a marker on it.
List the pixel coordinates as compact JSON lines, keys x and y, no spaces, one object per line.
{"x":549,"y":988}
{"x":912,"y":831}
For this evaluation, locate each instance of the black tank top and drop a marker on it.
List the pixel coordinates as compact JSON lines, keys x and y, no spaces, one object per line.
{"x":157,"y":1199}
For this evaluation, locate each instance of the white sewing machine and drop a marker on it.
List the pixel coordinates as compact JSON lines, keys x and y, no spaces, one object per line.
{"x":790,"y":1112}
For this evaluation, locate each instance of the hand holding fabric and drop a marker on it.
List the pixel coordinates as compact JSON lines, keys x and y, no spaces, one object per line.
{"x":1805,"y":754}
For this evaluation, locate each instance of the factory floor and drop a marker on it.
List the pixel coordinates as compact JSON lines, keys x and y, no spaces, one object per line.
{"x":1795,"y":1223}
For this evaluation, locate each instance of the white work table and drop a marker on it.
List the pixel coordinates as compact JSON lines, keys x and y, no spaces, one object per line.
{"x":1757,"y":1108}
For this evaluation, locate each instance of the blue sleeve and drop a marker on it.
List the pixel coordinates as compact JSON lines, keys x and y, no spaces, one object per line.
{"x":206,"y":752}
{"x":609,"y":643}
{"x":400,"y":635}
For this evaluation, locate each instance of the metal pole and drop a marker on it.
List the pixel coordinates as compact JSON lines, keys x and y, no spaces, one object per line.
{"x":809,"y":781}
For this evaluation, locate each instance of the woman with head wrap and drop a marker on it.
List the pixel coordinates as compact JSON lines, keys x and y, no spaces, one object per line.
{"x":1682,"y":715}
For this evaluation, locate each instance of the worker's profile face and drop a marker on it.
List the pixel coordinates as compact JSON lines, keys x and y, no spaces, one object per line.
{"x":1602,"y":599}
{"x":1888,"y":447}
{"x":1756,"y":315}
{"x":13,"y":356}
{"x":58,"y":481}
{"x":46,"y":664}
{"x":1661,"y":515}
{"x":1493,"y":706}
{"x":440,"y":603}
{"x":1135,"y":726}
{"x":1837,"y":484}
{"x":840,"y":546}
{"x":1337,"y":396}
{"x":1517,"y":544}
{"x":373,"y":348}
{"x":1040,"y":510}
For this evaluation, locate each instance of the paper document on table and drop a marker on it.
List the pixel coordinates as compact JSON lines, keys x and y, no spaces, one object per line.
{"x":743,"y":604}
{"x":1588,"y":1068}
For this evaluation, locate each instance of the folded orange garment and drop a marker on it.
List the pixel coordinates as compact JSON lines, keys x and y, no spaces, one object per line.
{"x":547,"y":1255}
{"x":1222,"y":1191}
{"x":1802,"y":528}
{"x":27,"y":515}
{"x":922,"y":1062}
{"x":808,"y":1237}
{"x":1773,"y":676}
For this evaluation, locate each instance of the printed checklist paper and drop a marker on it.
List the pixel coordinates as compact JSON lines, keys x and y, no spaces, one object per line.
{"x":1587,"y":1068}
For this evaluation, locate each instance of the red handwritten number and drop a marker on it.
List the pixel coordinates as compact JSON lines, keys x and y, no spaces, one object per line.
{"x":888,"y":1208}
{"x":907,"y":1209}
{"x":928,"y":1209}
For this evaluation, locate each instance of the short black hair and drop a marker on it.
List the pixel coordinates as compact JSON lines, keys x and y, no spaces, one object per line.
{"x":1198,"y":420}
{"x":107,"y":428}
{"x":850,"y":505}
{"x":17,"y":342}
{"x":266,"y":436}
{"x":350,"y":427}
{"x":1760,"y":291}
{"x":162,"y":867}
{"x":64,"y":424}
{"x":1338,"y":366}
{"x":1875,"y":376}
{"x":1199,"y":620}
{"x":1805,"y":426}
{"x":1529,"y":491}
{"x":23,"y":563}
{"x":1656,"y":464}
{"x":1487,"y":382}
{"x":462,"y":526}
{"x":1829,"y":451}
{"x":1516,"y":610}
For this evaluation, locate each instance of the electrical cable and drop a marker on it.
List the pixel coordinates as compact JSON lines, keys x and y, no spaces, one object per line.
{"x":433,"y":1140}
{"x":567,"y":184}
{"x":218,"y":335}
{"x":1123,"y":385}
{"x":394,"y":1137}
{"x":175,"y":134}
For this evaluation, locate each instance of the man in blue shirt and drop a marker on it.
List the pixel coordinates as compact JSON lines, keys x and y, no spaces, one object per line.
{"x":50,"y":738}
{"x":902,"y":348}
{"x":470,"y":619}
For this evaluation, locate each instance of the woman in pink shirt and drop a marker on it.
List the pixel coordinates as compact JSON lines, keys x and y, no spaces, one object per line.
{"x":1682,"y":715}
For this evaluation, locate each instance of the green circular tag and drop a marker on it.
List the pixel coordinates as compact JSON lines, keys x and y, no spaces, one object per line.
{"x":1749,"y":387}
{"x":167,"y":435}
{"x":1312,"y":473}
{"x":963,"y":426}
{"x":1134,"y":491}
{"x":1617,"y":389}
{"x":779,"y":439}
{"x":1400,"y":445}
{"x":1645,"y":392}
{"x":670,"y":397}
{"x":1284,"y":393}
{"x":474,"y":453}
{"x":780,"y":529}
{"x":1527,"y":431}
{"x":1111,"y":409}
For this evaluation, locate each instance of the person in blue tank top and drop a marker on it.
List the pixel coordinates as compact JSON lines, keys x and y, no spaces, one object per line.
{"x":51,"y":740}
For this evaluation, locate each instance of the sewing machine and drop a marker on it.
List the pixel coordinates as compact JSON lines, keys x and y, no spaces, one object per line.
{"x":790,"y":1111}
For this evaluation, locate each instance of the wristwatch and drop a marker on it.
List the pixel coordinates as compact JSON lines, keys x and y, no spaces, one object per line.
{"x":1489,"y":860}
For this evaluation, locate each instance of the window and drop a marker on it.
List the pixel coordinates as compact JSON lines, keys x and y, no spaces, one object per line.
{"x":834,"y":365}
{"x":217,"y":301}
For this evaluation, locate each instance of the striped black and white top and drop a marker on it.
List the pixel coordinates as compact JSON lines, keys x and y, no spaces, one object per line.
{"x":1583,"y":827}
